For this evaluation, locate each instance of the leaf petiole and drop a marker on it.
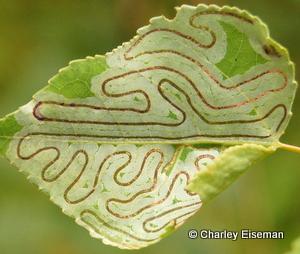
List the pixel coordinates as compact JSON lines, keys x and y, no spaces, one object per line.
{"x":290,"y":148}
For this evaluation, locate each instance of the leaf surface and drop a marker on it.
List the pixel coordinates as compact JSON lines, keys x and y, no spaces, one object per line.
{"x":233,"y":162}
{"x":120,"y":141}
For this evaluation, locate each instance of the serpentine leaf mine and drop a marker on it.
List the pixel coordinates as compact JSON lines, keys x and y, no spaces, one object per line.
{"x":132,"y":143}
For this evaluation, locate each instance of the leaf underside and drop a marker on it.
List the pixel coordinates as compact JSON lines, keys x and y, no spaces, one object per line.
{"x":116,"y":139}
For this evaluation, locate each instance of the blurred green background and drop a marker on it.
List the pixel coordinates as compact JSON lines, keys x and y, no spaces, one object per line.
{"x":39,"y":37}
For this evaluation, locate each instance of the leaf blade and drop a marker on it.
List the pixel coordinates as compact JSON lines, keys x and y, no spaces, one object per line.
{"x":232,"y":163}
{"x":165,"y":90}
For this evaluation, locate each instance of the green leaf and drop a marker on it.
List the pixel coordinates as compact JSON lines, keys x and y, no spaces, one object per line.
{"x":8,"y":128}
{"x":131,"y":143}
{"x":74,"y":81}
{"x":240,"y":56}
{"x":233,"y":162}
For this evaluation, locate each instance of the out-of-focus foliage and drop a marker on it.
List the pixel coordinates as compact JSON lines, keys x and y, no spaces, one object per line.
{"x":39,"y":37}
{"x":295,"y":247}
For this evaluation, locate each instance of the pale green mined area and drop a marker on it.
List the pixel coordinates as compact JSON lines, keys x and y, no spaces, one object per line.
{"x":131,"y":94}
{"x":215,"y":73}
{"x":74,"y":81}
{"x":220,"y":174}
{"x":8,"y":127}
{"x":240,"y":56}
{"x":120,"y":193}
